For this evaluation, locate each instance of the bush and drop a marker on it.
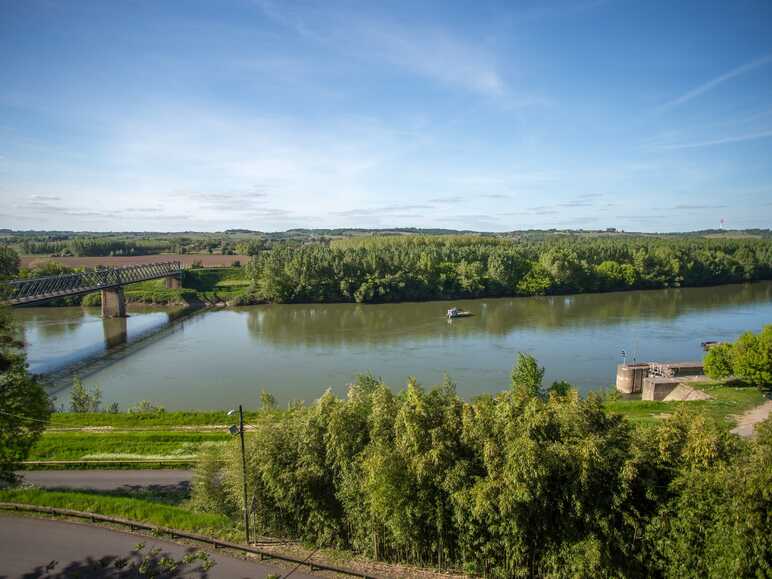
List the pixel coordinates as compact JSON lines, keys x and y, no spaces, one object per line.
{"x":752,"y":357}
{"x":527,"y":376}
{"x":146,"y":407}
{"x":267,"y":400}
{"x":83,"y":399}
{"x":718,"y":361}
{"x":749,"y":358}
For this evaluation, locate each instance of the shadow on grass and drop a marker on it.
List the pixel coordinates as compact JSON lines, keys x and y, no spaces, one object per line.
{"x":171,"y":494}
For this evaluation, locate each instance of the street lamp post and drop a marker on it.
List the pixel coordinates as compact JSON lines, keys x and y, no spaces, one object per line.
{"x":243,"y":467}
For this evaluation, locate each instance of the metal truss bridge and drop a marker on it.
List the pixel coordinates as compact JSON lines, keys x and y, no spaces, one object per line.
{"x":42,"y":289}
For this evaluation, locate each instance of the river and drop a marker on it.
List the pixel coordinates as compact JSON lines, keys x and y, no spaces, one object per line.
{"x":221,"y":358}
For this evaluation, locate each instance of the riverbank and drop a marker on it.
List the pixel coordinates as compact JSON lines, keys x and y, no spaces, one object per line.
{"x":215,"y":286}
{"x":175,"y":439}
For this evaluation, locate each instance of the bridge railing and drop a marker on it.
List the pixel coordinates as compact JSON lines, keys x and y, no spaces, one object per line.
{"x":41,"y":288}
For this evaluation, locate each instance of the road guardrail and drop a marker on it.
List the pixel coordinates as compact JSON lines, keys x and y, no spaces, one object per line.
{"x":174,"y":533}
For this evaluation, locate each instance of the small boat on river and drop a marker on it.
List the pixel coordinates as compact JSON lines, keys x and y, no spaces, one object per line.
{"x":456,"y":313}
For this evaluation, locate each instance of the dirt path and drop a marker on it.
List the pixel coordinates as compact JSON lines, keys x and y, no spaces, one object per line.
{"x":747,"y":421}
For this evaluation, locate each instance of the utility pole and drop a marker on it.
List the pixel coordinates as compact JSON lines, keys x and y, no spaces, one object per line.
{"x":240,"y":431}
{"x":244,"y":472}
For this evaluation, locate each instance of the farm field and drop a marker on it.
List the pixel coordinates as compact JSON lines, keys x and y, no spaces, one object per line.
{"x":205,"y":259}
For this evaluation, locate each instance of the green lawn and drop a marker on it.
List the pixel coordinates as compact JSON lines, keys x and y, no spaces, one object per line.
{"x":728,"y":400}
{"x":145,"y":420}
{"x":141,"y":510}
{"x":125,"y":445}
{"x":154,"y":437}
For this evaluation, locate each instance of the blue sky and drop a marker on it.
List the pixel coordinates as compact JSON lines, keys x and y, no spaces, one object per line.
{"x":188,"y":115}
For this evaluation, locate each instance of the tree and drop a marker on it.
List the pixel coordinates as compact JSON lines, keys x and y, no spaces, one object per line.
{"x":752,"y":357}
{"x":527,"y":376}
{"x":82,"y":399}
{"x":749,"y":358}
{"x":9,"y":262}
{"x":267,"y":400}
{"x":718,"y":361}
{"x":713,"y":518}
{"x":24,"y":404}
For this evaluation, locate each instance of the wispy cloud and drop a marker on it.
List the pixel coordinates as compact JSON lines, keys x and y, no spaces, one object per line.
{"x":431,"y":52}
{"x":713,"y":142}
{"x":686,"y":207}
{"x":437,"y":55}
{"x":447,"y":200}
{"x":391,"y":210}
{"x":713,"y":83}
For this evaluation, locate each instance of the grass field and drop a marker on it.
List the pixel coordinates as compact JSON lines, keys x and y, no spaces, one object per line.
{"x":153,"y":437}
{"x":154,"y":512}
{"x":131,"y":446}
{"x":144,"y":421}
{"x":728,"y":401}
{"x":187,"y":260}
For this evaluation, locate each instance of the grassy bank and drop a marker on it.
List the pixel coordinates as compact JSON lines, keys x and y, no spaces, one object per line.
{"x":140,"y":420}
{"x":180,"y":436}
{"x":142,"y":510}
{"x":214,"y":285}
{"x":123,"y":445}
{"x":154,"y":437}
{"x":727,"y":401}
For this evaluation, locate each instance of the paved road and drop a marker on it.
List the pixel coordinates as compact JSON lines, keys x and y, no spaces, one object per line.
{"x":27,"y":545}
{"x":105,"y":480}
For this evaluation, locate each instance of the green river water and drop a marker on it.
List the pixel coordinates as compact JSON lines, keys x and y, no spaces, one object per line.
{"x":220,"y":358}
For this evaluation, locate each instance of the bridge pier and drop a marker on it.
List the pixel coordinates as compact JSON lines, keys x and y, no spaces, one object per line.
{"x":173,"y":282}
{"x":113,"y":303}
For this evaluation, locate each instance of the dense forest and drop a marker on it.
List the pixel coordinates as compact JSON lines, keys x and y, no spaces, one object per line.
{"x":383,"y":269}
{"x":531,"y":482}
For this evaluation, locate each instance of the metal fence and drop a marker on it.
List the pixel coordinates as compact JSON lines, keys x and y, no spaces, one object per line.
{"x":27,"y":291}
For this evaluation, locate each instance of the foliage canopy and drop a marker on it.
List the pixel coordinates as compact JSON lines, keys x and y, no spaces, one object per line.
{"x":525,"y":483}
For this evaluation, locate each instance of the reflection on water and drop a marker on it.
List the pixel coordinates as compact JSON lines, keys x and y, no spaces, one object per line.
{"x":58,"y":337}
{"x":221,"y":358}
{"x":341,"y":324}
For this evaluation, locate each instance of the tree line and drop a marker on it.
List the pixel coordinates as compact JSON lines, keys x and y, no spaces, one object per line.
{"x":530,"y":482}
{"x":94,"y":247}
{"x":384,"y":269}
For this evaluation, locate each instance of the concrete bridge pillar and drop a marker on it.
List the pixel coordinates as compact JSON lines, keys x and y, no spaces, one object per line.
{"x":173,"y":282}
{"x":113,"y":303}
{"x":115,"y":332}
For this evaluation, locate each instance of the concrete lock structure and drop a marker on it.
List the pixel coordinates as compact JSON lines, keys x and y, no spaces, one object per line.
{"x":630,"y":377}
{"x":653,"y":379}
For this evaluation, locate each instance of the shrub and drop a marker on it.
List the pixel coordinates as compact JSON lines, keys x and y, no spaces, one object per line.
{"x":82,"y":399}
{"x":146,"y":407}
{"x":718,"y":361}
